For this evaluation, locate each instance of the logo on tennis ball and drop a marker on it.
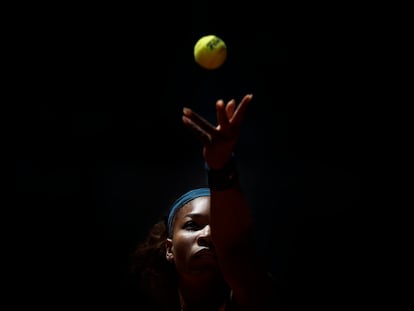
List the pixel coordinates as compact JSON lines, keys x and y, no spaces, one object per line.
{"x":210,"y":52}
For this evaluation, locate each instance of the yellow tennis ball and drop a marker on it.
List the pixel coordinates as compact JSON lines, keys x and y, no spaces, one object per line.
{"x":210,"y":52}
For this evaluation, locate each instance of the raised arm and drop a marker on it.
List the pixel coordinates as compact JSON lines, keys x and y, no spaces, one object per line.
{"x":232,"y":225}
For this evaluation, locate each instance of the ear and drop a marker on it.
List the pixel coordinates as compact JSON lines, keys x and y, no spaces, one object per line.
{"x":168,"y":250}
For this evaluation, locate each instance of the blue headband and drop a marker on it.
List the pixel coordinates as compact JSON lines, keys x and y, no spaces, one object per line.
{"x":184,"y":199}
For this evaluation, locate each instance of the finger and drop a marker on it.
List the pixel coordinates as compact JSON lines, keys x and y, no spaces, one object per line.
{"x":199,"y":121}
{"x":241,"y":110}
{"x":230,"y":107}
{"x":202,"y":135}
{"x":222,"y":119}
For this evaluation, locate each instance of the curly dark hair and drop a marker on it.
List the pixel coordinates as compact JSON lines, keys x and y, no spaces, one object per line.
{"x":156,"y":277}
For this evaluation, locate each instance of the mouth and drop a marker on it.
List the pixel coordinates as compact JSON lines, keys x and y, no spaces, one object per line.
{"x":205,"y":253}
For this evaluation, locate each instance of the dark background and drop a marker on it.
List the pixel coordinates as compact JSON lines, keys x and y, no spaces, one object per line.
{"x":102,"y":150}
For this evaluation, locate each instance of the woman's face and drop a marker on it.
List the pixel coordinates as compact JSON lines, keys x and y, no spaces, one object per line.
{"x":190,"y":247}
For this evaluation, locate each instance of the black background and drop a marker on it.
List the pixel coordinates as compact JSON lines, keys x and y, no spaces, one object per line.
{"x":101,"y":150}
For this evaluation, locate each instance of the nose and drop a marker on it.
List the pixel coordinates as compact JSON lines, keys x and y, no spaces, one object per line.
{"x":204,"y":238}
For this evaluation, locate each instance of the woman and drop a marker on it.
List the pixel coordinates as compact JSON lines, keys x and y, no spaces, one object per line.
{"x":202,"y":255}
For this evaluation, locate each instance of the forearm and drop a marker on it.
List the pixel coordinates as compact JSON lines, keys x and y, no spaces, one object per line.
{"x":232,"y":230}
{"x":231,"y":218}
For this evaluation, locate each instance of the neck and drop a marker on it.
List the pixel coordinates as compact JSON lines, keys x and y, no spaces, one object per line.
{"x":202,"y":296}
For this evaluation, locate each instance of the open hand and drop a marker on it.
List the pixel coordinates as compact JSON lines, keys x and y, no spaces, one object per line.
{"x":218,"y":141}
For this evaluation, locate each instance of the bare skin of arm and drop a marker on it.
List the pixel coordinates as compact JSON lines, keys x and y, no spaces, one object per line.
{"x":232,"y":226}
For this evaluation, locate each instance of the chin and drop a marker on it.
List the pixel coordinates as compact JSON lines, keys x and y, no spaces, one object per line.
{"x":208,"y":269}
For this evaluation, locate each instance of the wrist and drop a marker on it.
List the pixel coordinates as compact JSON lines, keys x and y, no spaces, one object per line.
{"x":223,"y":178}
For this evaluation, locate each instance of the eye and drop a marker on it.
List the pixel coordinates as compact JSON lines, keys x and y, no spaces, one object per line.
{"x":191,"y":225}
